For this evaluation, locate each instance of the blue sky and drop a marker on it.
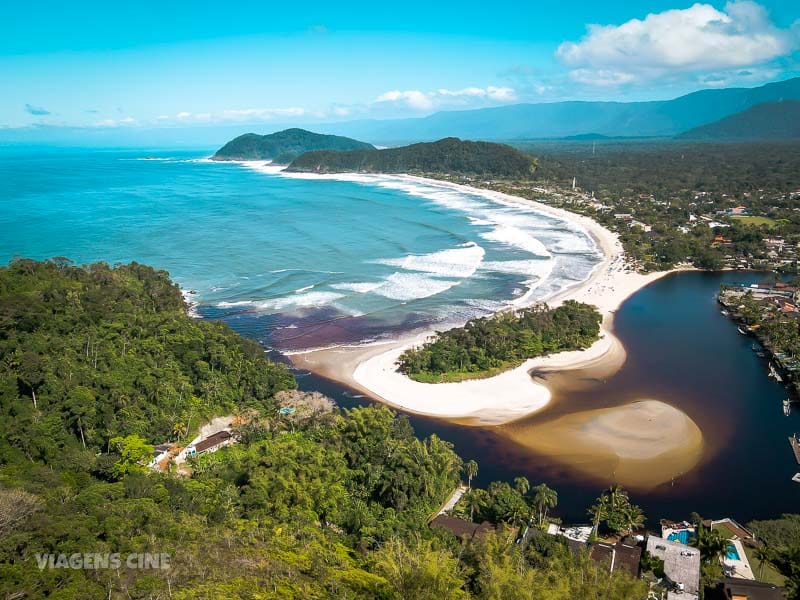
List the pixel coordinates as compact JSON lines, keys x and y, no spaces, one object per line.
{"x":178,"y":64}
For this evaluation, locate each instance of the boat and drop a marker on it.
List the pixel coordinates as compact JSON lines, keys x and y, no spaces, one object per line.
{"x":774,"y":373}
{"x":787,"y":408}
{"x":796,"y":477}
{"x":742,"y":331}
{"x":724,"y":313}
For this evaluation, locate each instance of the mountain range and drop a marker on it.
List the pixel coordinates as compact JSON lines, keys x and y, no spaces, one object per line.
{"x":662,"y":118}
{"x":768,"y":121}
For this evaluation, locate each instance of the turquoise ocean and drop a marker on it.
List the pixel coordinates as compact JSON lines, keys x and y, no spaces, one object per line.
{"x":295,"y":262}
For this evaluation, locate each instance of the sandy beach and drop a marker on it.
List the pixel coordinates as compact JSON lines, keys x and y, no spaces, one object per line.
{"x":513,"y":394}
{"x":640,"y":443}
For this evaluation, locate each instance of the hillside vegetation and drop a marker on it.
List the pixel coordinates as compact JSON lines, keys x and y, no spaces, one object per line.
{"x":768,"y":121}
{"x":283,"y":147}
{"x":97,"y":363}
{"x":449,"y":155}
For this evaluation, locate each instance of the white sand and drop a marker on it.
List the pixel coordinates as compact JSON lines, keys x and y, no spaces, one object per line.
{"x":509,"y":395}
{"x":512,"y":394}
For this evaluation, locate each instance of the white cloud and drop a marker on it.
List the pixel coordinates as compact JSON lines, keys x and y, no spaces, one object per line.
{"x":419,"y":100}
{"x":262,"y":113}
{"x":601,"y":77}
{"x":184,"y":115}
{"x":411,"y":98}
{"x":693,"y":40}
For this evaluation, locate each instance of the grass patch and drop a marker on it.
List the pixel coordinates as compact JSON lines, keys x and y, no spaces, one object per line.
{"x":455,"y":377}
{"x":724,"y":530}
{"x":755,"y":221}
{"x":769,"y":575}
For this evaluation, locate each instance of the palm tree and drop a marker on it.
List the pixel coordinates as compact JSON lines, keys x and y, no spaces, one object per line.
{"x":599,"y":511}
{"x":710,"y":543}
{"x":617,"y":497}
{"x":475,"y":500}
{"x":544,"y":498}
{"x":632,"y":517}
{"x":763,"y":555}
{"x":522,"y":485}
{"x":471,"y":470}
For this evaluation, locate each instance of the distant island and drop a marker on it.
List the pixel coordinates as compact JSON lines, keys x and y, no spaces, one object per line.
{"x":282,"y":147}
{"x":449,"y":155}
{"x":768,"y":121}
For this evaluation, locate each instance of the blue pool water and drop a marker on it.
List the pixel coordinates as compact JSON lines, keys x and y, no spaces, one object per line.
{"x":731,"y":553}
{"x":684,"y":536}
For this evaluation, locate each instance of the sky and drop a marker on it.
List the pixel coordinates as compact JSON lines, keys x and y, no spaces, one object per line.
{"x":178,"y":64}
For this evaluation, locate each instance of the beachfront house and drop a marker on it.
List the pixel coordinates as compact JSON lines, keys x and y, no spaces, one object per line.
{"x":681,"y":567}
{"x":210,"y":444}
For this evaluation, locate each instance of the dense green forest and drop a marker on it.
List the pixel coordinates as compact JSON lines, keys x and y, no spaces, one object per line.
{"x":449,"y":155}
{"x":488,"y":345}
{"x":98,"y":363}
{"x":669,"y":170}
{"x":282,"y":147}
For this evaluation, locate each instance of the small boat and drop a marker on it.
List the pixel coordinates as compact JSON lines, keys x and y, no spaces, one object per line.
{"x":786,"y":407}
{"x":796,"y":477}
{"x":774,"y":373}
{"x":724,"y":313}
{"x":742,"y":331}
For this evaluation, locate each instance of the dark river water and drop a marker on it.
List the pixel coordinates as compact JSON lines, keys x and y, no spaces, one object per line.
{"x":683,"y":351}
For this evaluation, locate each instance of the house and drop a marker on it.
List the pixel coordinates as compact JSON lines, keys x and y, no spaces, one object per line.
{"x":742,"y":589}
{"x":466,"y":530}
{"x":577,"y":536}
{"x":160,"y":453}
{"x":618,"y":557}
{"x":210,"y":444}
{"x":646,"y":228}
{"x":681,"y":566}
{"x":739,"y":210}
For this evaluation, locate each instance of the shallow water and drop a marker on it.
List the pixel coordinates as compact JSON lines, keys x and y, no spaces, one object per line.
{"x":307,"y":262}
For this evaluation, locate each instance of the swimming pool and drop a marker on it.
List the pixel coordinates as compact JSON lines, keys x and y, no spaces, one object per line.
{"x":731,"y":553}
{"x":684,"y":536}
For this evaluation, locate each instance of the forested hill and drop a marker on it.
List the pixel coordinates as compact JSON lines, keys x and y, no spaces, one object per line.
{"x":449,"y":155}
{"x":90,"y":353}
{"x":283,"y":147}
{"x":768,"y":121}
{"x":96,"y":363}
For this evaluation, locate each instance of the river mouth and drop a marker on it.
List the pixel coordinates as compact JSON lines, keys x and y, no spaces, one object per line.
{"x":679,"y":351}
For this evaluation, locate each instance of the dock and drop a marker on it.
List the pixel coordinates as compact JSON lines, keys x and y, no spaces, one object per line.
{"x":795,"y":443}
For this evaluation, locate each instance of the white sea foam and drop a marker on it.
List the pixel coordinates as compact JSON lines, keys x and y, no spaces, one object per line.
{"x":459,"y":262}
{"x":359,"y":288}
{"x":516,"y":237}
{"x":537,"y":267}
{"x":412,"y":286}
{"x":306,"y":300}
{"x":304,"y":289}
{"x":498,"y":220}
